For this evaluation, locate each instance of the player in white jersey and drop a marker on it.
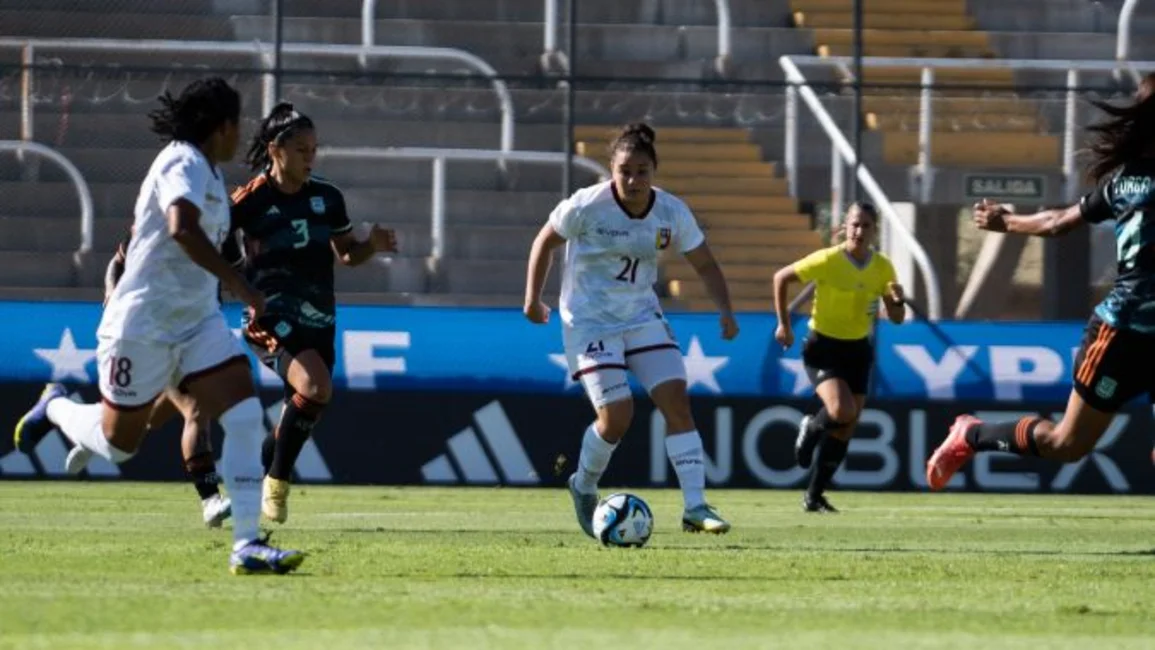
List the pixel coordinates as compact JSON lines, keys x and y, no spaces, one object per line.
{"x":612,"y":320}
{"x":163,"y":326}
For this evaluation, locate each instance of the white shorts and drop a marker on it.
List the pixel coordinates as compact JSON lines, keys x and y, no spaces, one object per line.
{"x":133,"y":373}
{"x":649,"y":351}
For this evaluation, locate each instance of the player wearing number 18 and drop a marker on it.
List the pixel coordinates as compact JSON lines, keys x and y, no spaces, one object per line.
{"x":613,"y":233}
{"x":293,"y":223}
{"x":1114,"y":363}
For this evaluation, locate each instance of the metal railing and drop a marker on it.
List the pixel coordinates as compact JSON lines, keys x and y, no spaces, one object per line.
{"x":265,"y":53}
{"x":549,"y":38}
{"x":924,"y":170}
{"x":1123,"y":40}
{"x":843,"y":154}
{"x":440,"y":157}
{"x":83,"y":192}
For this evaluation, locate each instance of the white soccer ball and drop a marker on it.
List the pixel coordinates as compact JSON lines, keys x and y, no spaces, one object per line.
{"x":623,"y":520}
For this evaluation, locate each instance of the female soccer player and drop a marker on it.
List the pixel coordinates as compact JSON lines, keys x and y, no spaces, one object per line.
{"x":293,"y":223}
{"x":612,"y":321}
{"x":196,"y":446}
{"x":163,"y":325}
{"x":1118,"y":350}
{"x":849,"y":278}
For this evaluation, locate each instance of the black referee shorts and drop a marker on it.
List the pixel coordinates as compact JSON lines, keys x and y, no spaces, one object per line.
{"x":831,"y":358}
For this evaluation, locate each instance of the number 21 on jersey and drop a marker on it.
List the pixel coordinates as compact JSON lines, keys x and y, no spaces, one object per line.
{"x":629,"y":272}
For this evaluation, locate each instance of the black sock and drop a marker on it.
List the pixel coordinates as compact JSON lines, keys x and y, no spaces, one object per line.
{"x":203,"y":472}
{"x":297,"y":421}
{"x":830,"y":456}
{"x":1015,"y":436}
{"x":268,"y":447}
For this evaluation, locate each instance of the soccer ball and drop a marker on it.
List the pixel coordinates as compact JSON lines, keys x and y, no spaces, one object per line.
{"x":623,"y":520}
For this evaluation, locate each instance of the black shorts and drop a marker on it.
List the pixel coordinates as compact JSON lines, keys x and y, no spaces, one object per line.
{"x":830,"y":358}
{"x":1114,"y":366}
{"x":276,"y":340}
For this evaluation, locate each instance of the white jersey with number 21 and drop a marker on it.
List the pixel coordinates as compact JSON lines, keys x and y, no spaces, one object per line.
{"x":611,"y":258}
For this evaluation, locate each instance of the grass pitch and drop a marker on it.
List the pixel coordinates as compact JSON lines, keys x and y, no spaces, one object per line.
{"x":115,"y":565}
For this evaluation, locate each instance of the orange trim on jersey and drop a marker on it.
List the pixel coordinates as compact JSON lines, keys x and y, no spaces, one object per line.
{"x":253,"y":185}
{"x":1021,"y":429}
{"x":1095,"y":354}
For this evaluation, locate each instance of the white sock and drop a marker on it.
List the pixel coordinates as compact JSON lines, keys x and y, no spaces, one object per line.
{"x":594,"y":459}
{"x":686,"y":455}
{"x":241,"y":465}
{"x":81,"y":423}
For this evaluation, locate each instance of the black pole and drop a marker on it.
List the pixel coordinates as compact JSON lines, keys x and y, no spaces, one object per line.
{"x":857,"y":98}
{"x":279,"y":28}
{"x":568,"y":116}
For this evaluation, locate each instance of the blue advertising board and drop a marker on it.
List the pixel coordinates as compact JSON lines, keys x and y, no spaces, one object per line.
{"x":458,"y":349}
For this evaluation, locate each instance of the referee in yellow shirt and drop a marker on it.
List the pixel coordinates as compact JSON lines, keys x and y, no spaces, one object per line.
{"x":849,"y":279}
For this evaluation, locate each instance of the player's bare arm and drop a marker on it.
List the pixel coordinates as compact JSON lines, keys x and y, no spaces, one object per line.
{"x":784,"y":334}
{"x":895,"y":302}
{"x":184,"y":227}
{"x":354,"y":252}
{"x":1001,"y":217}
{"x":539,"y":262}
{"x":708,"y":269}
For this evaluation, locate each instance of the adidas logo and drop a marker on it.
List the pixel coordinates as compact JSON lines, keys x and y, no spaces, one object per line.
{"x":273,"y":212}
{"x":468,"y":455}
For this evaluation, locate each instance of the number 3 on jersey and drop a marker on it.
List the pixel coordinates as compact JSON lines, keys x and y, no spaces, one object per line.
{"x":629,"y":271}
{"x":300,"y":232}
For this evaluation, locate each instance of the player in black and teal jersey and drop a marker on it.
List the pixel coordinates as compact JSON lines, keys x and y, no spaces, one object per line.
{"x":1115,"y":361}
{"x":294,"y":225}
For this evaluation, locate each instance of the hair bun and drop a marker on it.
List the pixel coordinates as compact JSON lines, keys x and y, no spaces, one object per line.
{"x":641,"y":130}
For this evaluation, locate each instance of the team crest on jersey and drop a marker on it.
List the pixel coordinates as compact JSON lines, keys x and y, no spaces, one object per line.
{"x":318,"y":204}
{"x":1106,"y":387}
{"x":662,"y":241}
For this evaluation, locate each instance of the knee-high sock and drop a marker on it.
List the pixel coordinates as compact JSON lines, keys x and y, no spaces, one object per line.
{"x":241,"y":458}
{"x":82,"y":424}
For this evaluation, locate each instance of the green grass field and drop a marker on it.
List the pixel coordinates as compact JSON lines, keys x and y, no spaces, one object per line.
{"x":129,"y":566}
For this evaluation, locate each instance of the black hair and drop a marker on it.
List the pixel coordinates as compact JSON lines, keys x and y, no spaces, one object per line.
{"x":1126,"y":135}
{"x":201,"y":108}
{"x":282,"y":123}
{"x":865,"y":208}
{"x":637,"y":136}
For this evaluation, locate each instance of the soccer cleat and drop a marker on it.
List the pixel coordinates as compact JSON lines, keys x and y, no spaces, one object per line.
{"x":817,"y":504}
{"x":257,"y":557}
{"x":952,"y":454}
{"x":704,"y":519}
{"x":77,"y":460}
{"x":584,"y":505}
{"x":216,"y":510}
{"x":805,"y":443}
{"x":34,"y":425}
{"x":275,"y":499}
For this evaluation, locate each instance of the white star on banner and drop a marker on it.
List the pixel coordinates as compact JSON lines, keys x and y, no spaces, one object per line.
{"x":67,"y":361}
{"x":700,"y":368}
{"x":798,"y":369}
{"x":559,"y":361}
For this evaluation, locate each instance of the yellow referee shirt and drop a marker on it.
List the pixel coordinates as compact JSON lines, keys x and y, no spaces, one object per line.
{"x":846,"y":292}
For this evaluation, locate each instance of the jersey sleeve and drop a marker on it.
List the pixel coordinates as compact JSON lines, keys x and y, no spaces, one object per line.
{"x":566,"y":219}
{"x":689,"y":233}
{"x":182,"y":178}
{"x":339,"y":223}
{"x":1095,"y":206}
{"x":812,"y":267}
{"x":887,"y":275}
